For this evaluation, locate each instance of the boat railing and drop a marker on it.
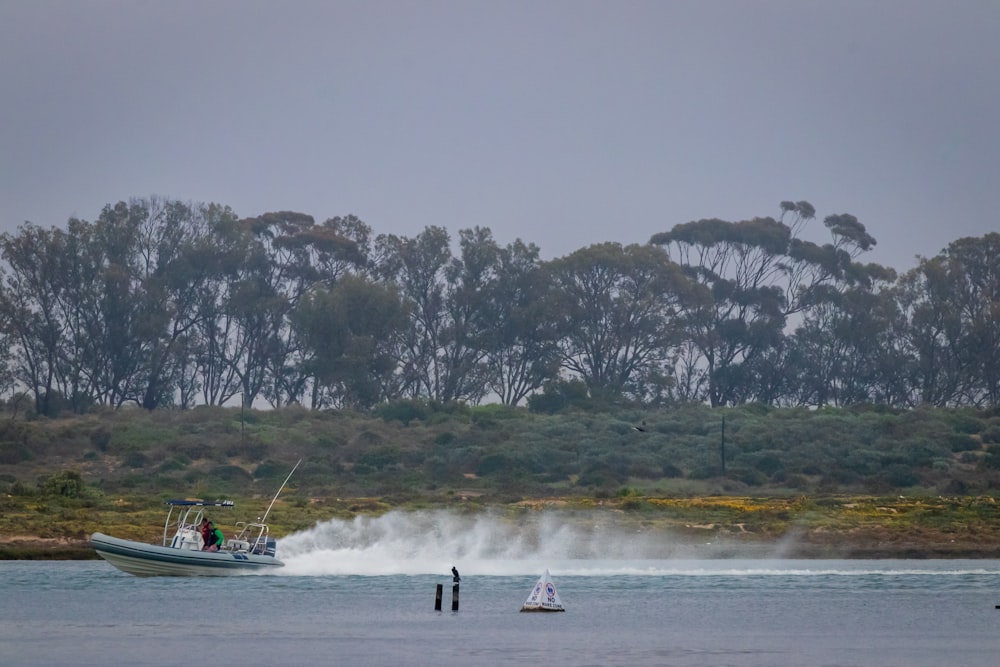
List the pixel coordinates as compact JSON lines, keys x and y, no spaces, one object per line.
{"x":257,"y":538}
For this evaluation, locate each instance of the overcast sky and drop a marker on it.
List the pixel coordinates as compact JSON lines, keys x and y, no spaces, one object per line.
{"x":563,"y":123}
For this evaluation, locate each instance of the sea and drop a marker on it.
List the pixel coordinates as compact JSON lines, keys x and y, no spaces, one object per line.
{"x":363,"y":592}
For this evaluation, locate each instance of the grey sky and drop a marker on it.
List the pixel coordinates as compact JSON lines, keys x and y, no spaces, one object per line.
{"x":563,"y":123}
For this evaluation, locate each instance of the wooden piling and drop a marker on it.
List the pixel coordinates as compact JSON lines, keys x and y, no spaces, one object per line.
{"x":438,"y":596}
{"x":454,"y":597}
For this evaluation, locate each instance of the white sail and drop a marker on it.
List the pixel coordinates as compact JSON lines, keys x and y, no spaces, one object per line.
{"x":544,"y":596}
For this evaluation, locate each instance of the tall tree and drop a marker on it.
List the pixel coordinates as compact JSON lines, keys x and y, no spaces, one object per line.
{"x":515,"y":331}
{"x":283,"y":255}
{"x":758,"y":273}
{"x":843,"y":351}
{"x":33,"y":283}
{"x":619,"y":311}
{"x":439,"y":355}
{"x":348,"y":331}
{"x":952,"y":305}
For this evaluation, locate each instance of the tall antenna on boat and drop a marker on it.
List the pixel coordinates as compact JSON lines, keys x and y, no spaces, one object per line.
{"x":264,"y":518}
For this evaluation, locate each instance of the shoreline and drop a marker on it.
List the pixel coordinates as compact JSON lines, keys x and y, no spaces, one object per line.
{"x":698,"y":528}
{"x":34,"y":549}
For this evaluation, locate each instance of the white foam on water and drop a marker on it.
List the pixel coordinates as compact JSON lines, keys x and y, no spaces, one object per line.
{"x":574,"y":544}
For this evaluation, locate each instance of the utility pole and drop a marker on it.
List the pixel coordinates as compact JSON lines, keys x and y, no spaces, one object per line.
{"x":722,"y":446}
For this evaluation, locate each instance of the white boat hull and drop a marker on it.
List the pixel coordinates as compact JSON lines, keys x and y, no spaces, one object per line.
{"x":150,"y":560}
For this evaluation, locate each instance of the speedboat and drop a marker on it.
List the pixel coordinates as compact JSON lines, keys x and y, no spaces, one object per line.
{"x":182,"y":553}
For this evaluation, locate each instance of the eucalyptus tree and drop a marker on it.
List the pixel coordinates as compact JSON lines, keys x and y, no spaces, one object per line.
{"x":343,"y":245}
{"x":974,"y":268}
{"x":110,"y":302}
{"x":619,"y":313}
{"x":70,"y":302}
{"x":844,"y":352}
{"x":439,"y":355}
{"x":282,"y":256}
{"x":469,"y":280}
{"x":758,"y":273}
{"x":213,"y":368}
{"x":952,"y":305}
{"x":338,"y":248}
{"x":417,"y":266}
{"x":176,"y":264}
{"x":516,"y":333}
{"x":34,"y":281}
{"x":349,"y":331}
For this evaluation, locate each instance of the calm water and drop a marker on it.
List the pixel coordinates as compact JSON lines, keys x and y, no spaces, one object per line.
{"x":630,"y":612}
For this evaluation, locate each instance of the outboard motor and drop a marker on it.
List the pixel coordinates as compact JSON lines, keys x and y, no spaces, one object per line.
{"x":264,"y":546}
{"x":270,"y":547}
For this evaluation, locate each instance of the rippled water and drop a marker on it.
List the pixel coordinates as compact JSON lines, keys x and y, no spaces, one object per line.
{"x":619,"y":612}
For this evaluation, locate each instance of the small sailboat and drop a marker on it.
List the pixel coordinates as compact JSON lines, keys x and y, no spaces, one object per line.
{"x":544,"y":596}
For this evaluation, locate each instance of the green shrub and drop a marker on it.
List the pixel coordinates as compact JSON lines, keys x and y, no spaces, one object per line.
{"x":404,"y":411}
{"x":12,"y":453}
{"x":991,"y":434}
{"x":380,"y":458}
{"x":959,"y":442}
{"x":174,"y":464}
{"x":493,"y":463}
{"x":747,"y":476}
{"x":134,"y":460}
{"x":445,"y":438}
{"x":231,"y":475}
{"x":100,"y":438}
{"x":964,"y":422}
{"x":560,"y":395}
{"x":992,"y":458}
{"x":270,"y":470}
{"x":671,"y":471}
{"x":900,"y":476}
{"x":67,"y":484}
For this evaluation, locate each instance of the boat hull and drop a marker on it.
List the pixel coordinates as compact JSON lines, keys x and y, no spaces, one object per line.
{"x":150,"y":560}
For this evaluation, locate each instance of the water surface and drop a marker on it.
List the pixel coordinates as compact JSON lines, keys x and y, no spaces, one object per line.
{"x":770,"y":613}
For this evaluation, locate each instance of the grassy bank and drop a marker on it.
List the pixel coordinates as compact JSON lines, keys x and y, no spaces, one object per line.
{"x":848,"y":483}
{"x":805,"y":527}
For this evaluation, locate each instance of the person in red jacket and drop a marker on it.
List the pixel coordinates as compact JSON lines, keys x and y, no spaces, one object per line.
{"x":204,"y":534}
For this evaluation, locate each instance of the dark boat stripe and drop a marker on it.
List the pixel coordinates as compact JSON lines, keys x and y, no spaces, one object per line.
{"x":164,"y":555}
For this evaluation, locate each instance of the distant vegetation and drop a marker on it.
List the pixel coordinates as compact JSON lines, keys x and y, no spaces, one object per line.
{"x":861,"y":482}
{"x":721,"y":359}
{"x":163,"y":304}
{"x":411,"y":451}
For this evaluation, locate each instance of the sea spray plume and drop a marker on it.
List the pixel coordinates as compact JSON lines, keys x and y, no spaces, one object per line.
{"x":491,"y":542}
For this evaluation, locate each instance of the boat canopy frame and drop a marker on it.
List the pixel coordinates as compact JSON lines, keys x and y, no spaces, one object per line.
{"x":184,"y":509}
{"x":251,"y":537}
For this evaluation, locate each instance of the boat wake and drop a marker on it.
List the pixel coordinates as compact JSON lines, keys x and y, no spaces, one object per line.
{"x":485,"y":543}
{"x":574,"y":544}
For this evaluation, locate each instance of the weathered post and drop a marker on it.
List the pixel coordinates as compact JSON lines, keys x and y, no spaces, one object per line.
{"x":454,"y":597}
{"x":438,"y":596}
{"x":722,"y":446}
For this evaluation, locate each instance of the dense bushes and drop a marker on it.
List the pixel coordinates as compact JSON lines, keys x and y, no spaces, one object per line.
{"x":413,"y":448}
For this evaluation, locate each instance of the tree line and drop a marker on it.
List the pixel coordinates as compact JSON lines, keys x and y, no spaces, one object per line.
{"x":162,"y":303}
